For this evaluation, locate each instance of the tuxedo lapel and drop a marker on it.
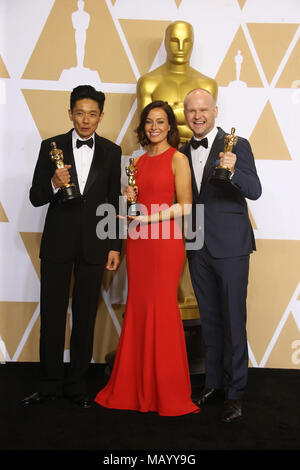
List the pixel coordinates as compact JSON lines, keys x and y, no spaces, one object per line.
{"x":69,"y":158}
{"x":187,"y":151}
{"x":95,"y":165}
{"x":217,"y":147}
{"x":64,"y":142}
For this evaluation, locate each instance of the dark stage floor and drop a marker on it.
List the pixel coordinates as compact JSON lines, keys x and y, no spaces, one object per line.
{"x":270,"y":422}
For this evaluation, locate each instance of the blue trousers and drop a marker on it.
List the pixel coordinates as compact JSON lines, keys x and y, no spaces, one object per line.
{"x":220,"y":286}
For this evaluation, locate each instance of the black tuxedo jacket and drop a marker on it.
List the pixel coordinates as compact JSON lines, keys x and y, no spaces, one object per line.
{"x":72,"y":224}
{"x":227,"y":227}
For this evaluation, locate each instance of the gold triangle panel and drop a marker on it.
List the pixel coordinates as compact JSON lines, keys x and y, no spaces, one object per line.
{"x":106,"y":337}
{"x":248,"y":71}
{"x":3,"y":216}
{"x":56,"y":120}
{"x":254,"y":226}
{"x":284,"y":354}
{"x":2,"y":356}
{"x":129,"y":142}
{"x":271,"y":41}
{"x":31,"y":349}
{"x":266,"y":139}
{"x":268,"y":297}
{"x":14,"y":319}
{"x":55,"y":49}
{"x":111,"y":61}
{"x":3,"y":70}
{"x":32,"y":241}
{"x":144,"y":38}
{"x":291,"y":72}
{"x":178,"y":2}
{"x":116,"y":110}
{"x":242,"y":3}
{"x":119,"y":310}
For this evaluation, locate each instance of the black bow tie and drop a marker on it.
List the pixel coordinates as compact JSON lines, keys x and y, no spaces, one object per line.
{"x":89,"y":142}
{"x":196,"y":143}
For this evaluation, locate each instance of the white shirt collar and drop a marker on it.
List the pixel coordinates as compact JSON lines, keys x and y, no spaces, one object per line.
{"x":75,"y":136}
{"x":210,"y":136}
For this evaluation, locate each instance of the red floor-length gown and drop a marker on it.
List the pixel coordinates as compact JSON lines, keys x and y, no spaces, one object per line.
{"x":150,"y":370}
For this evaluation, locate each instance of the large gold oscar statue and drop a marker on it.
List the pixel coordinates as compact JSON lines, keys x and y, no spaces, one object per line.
{"x":171,"y":82}
{"x":175,"y":78}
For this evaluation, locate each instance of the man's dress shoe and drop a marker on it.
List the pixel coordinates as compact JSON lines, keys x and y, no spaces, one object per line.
{"x":37,"y":399}
{"x":81,"y":401}
{"x":232,"y":411}
{"x":205,"y":395}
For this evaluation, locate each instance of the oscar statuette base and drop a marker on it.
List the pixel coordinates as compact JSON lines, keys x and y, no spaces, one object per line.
{"x":221,"y":177}
{"x":68,"y":193}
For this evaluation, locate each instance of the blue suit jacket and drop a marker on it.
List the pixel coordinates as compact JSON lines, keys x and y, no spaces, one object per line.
{"x":227,"y":227}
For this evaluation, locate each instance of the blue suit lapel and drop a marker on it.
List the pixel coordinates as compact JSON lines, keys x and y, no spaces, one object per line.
{"x":217,"y":147}
{"x":186,"y":149}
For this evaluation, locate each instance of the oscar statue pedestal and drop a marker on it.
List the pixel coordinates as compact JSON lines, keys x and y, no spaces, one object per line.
{"x":77,"y":75}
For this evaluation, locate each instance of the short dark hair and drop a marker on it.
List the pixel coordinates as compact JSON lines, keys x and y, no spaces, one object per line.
{"x":82,"y":92}
{"x":173,"y":134}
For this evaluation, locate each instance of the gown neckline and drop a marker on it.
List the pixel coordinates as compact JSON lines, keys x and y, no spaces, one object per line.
{"x":159,"y":154}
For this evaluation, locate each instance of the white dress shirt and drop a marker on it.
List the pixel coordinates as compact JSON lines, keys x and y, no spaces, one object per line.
{"x":83,"y":157}
{"x":200,"y":155}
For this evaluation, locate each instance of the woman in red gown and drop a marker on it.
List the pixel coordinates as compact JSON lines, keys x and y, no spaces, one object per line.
{"x":150,"y":371}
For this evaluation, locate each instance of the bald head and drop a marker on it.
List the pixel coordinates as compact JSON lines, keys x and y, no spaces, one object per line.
{"x":200,"y":112}
{"x":198,"y":93}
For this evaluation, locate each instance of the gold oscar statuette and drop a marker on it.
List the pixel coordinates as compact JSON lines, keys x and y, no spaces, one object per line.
{"x":222,"y":174}
{"x":131,"y":171}
{"x":175,"y":78}
{"x":69,"y":190}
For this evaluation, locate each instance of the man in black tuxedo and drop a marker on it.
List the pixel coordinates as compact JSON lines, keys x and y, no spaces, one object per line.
{"x":70,"y":244}
{"x":219,"y":270}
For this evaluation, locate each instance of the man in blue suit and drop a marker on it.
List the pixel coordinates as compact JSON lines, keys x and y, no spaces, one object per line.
{"x":219,"y":270}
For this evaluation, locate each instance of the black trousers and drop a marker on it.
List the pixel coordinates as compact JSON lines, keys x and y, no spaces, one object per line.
{"x":220,"y":286}
{"x":55,"y":294}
